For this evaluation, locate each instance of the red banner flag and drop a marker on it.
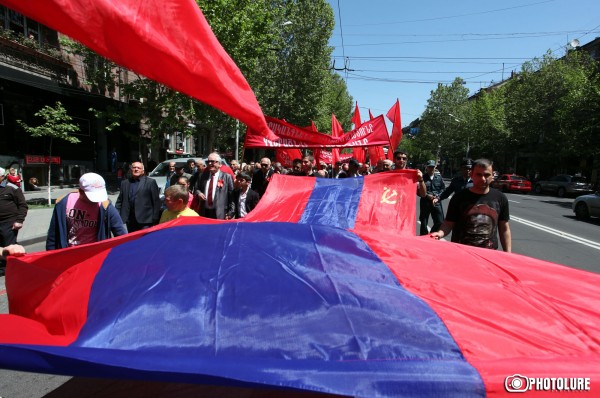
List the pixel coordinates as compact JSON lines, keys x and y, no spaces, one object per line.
{"x":371,"y":132}
{"x":168,"y":41}
{"x":358,"y":153}
{"x":327,"y":157}
{"x":375,"y":152}
{"x":394,"y":116}
{"x":337,"y":131}
{"x":286,"y":156}
{"x":356,"y":116}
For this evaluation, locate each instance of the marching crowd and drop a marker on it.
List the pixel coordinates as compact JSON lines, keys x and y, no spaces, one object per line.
{"x":477,"y":214}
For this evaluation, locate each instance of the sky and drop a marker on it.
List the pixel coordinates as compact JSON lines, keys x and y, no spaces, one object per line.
{"x":395,"y":49}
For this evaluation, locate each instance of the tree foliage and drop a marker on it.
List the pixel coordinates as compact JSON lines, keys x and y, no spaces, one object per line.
{"x":57,"y":124}
{"x":540,"y":119}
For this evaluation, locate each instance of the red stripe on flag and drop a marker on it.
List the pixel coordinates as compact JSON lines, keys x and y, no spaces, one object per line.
{"x":285,"y":199}
{"x":59,"y":305}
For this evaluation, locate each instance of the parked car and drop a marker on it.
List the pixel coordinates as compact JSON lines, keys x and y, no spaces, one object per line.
{"x":564,"y":184}
{"x":159,"y":174}
{"x":512,"y":183}
{"x":586,"y":206}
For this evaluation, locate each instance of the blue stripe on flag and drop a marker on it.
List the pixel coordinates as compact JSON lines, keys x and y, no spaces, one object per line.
{"x":290,"y":305}
{"x":332,"y":203}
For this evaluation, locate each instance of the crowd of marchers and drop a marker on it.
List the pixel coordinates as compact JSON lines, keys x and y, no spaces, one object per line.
{"x":477,"y":214}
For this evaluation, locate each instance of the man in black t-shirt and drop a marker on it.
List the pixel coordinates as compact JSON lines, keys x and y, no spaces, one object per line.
{"x":478,"y":215}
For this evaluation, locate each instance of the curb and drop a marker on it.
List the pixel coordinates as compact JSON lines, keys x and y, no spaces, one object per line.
{"x":32,"y":241}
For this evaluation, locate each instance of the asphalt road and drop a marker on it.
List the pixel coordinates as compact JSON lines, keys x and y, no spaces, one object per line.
{"x":543,"y":227}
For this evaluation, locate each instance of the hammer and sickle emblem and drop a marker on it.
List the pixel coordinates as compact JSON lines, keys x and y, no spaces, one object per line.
{"x":388,"y":196}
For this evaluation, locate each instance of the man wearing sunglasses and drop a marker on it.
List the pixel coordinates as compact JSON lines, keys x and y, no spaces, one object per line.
{"x":261,"y":177}
{"x":401,"y":163}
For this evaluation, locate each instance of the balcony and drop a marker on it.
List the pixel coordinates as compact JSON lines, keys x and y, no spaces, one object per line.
{"x":35,"y":60}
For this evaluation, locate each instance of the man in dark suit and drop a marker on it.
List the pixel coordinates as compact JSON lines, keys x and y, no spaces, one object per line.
{"x":138,"y":202}
{"x":214,"y":188}
{"x":244,"y":198}
{"x":261,"y":177}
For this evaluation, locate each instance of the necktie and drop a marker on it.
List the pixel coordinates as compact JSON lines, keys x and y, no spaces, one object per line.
{"x":210,"y":192}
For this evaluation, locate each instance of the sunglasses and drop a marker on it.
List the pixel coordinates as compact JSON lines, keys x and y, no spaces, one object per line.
{"x":401,"y":158}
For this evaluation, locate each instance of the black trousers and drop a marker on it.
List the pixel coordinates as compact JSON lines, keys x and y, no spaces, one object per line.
{"x":437,"y":215}
{"x":8,"y":236}
{"x":210,"y":213}
{"x":133,"y":226}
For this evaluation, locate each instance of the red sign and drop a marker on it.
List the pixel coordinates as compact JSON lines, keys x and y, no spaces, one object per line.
{"x":327,"y":157}
{"x":41,"y":159}
{"x":370,"y":133}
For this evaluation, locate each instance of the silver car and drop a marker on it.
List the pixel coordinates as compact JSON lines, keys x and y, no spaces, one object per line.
{"x":159,"y":174}
{"x":564,"y":184}
{"x":586,"y":206}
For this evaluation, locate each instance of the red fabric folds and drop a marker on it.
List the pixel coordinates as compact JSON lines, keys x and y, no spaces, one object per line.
{"x":168,"y":41}
{"x":286,"y":156}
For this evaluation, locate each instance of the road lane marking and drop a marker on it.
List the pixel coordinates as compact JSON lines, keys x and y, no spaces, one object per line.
{"x":514,"y":201}
{"x":574,"y":238}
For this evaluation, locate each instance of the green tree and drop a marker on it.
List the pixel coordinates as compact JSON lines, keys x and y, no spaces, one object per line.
{"x":486,"y":132}
{"x":552,"y":107}
{"x":58,"y":125}
{"x":335,"y":100}
{"x":443,"y":130}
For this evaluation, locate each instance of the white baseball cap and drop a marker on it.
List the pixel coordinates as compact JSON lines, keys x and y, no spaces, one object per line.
{"x":94,"y":187}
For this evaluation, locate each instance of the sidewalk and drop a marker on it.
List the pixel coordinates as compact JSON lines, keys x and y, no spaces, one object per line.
{"x":35,"y":227}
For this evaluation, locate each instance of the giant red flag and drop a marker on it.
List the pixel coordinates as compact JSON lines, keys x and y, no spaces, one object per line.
{"x":394,"y":116}
{"x":168,"y":41}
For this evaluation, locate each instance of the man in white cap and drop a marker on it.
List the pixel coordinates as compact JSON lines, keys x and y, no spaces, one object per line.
{"x":85,"y":216}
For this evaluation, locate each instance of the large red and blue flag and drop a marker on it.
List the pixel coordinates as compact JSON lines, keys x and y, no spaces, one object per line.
{"x":316,"y":290}
{"x":323,"y":287}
